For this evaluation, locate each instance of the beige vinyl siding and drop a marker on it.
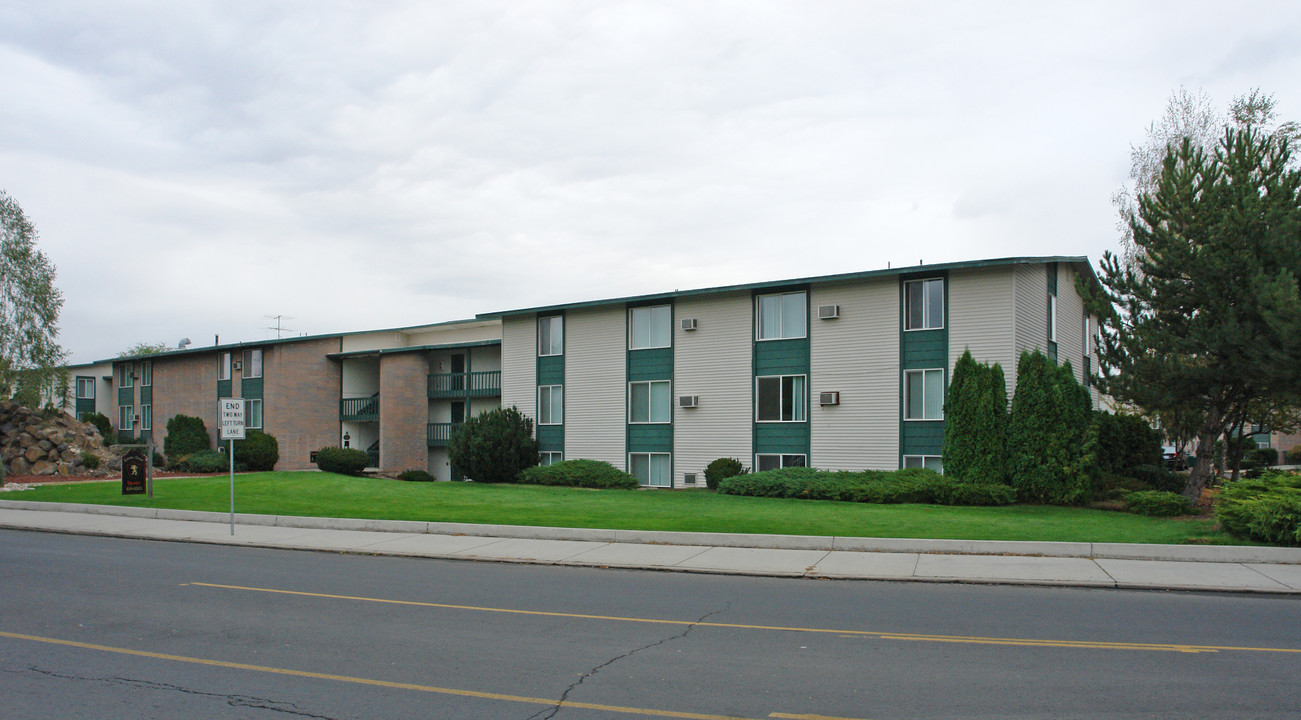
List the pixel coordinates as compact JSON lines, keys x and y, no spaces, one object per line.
{"x":981,"y":318}
{"x":714,"y":362}
{"x":856,"y":355}
{"x":1031,"y":317}
{"x":519,"y":364}
{"x":596,"y":365}
{"x":1070,"y":321}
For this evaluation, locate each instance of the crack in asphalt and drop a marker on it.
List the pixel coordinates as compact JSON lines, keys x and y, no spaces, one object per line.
{"x":241,"y":701}
{"x":553,"y":710}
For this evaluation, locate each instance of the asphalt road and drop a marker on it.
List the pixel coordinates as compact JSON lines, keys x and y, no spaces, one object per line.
{"x":110,"y":628}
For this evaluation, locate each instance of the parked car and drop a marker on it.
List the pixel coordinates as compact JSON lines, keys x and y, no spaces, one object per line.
{"x":1174,"y":457}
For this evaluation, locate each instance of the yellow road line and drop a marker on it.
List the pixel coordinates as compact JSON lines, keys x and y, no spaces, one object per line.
{"x":649,"y":712}
{"x":875,"y":634}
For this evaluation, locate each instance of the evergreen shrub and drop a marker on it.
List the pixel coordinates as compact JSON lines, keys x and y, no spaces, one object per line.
{"x":415,"y":476}
{"x":89,"y":459}
{"x":1266,"y":509}
{"x":580,"y":473}
{"x":101,"y":423}
{"x":721,"y":468}
{"x":259,"y":451}
{"x":185,"y":435}
{"x":494,"y":446}
{"x":1157,"y":503}
{"x":975,"y":423}
{"x":1126,"y":442}
{"x":1050,"y":438}
{"x":344,"y":461}
{"x":206,"y":461}
{"x":910,"y":485}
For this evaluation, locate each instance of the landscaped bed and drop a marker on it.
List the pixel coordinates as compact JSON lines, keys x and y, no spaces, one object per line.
{"x":328,"y":495}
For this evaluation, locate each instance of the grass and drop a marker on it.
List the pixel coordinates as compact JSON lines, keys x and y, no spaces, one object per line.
{"x":328,"y":495}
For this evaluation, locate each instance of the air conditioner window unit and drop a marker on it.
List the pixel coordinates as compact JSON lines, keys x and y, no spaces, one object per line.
{"x":688,"y":401}
{"x":688,"y":323}
{"x":829,"y":398}
{"x":828,"y":312}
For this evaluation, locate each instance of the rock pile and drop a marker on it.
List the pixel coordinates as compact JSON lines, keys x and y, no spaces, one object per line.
{"x":33,"y":444}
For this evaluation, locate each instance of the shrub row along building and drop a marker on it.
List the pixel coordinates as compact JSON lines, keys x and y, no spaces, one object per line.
{"x":843,"y":371}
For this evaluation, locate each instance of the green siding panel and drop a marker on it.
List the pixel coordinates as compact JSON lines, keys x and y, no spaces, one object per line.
{"x":85,"y":405}
{"x":551,"y":438}
{"x":790,"y":438}
{"x":126,"y":396}
{"x":651,"y":364}
{"x":223,"y":388}
{"x":650,"y":438}
{"x":922,"y":437}
{"x":781,"y":357}
{"x":924,"y":349}
{"x":147,"y":395}
{"x":251,"y":388}
{"x":551,"y":370}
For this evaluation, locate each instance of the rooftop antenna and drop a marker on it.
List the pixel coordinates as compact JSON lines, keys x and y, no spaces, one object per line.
{"x":279,"y":330}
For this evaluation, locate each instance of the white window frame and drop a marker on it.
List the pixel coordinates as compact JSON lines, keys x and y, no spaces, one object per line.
{"x":781,"y":460}
{"x":929,"y":286}
{"x":781,"y":316}
{"x":248,"y":413}
{"x":547,"y":410}
{"x":650,"y":315}
{"x":636,"y":386}
{"x":249,"y":354}
{"x":88,"y":382}
{"x":146,"y":417}
{"x":924,"y":461}
{"x":1052,"y":318}
{"x":126,"y":375}
{"x":650,"y":457}
{"x":554,"y":334}
{"x":550,"y":457}
{"x":758,"y":381}
{"x":223,"y":366}
{"x":907,"y":404}
{"x":146,"y":373}
{"x":1086,"y":335}
{"x":125,"y":414}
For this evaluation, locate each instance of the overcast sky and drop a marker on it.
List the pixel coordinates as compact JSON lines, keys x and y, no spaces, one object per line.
{"x":193,"y":168}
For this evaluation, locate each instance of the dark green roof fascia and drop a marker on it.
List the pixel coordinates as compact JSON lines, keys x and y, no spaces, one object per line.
{"x":218,"y":348}
{"x":1078,"y":261}
{"x":415,"y":348}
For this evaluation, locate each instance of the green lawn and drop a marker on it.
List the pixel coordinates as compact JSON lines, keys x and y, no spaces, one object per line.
{"x":328,"y":495}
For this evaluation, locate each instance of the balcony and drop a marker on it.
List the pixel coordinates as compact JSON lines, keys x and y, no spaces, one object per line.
{"x":465,"y":385}
{"x":359,"y":409}
{"x":440,"y":434}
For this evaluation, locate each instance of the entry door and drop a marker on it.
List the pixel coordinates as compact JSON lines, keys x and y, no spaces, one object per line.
{"x":458,"y":412}
{"x":458,"y":374}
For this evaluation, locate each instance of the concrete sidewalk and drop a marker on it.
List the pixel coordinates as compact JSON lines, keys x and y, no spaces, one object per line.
{"x":1110,"y":565}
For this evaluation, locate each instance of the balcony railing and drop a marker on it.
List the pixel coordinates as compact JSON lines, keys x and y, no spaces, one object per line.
{"x":373,"y":453}
{"x":469,"y":384}
{"x":360,"y":409}
{"x":440,"y":434}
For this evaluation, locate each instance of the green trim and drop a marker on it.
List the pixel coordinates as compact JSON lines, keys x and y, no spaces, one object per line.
{"x":550,"y":370}
{"x":921,"y":350}
{"x":126,"y":396}
{"x":251,"y":389}
{"x":644,"y":365}
{"x":787,"y":356}
{"x":224,"y":388}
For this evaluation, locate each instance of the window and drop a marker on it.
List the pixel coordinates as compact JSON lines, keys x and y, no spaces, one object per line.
{"x":930,"y":462}
{"x":253,"y":413}
{"x":777,"y":462}
{"x":1052,"y":318}
{"x":923,"y":304}
{"x":253,"y":363}
{"x":781,"y":398}
{"x":85,"y":388}
{"x":650,"y":327}
{"x":125,"y":378}
{"x":782,"y":316}
{"x":1087,"y":344}
{"x":223,"y":366}
{"x":650,"y":402}
{"x":551,"y":335}
{"x":146,"y":417}
{"x":124,"y":417}
{"x":146,"y":373}
{"x":551,"y":404}
{"x":550,"y":457}
{"x":653,"y":469}
{"x":923,"y":393}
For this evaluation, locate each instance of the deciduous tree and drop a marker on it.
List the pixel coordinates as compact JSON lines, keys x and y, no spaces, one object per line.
{"x":30,"y":354}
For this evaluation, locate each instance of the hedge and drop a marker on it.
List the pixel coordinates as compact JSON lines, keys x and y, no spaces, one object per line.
{"x":1050,"y":438}
{"x":580,"y":473}
{"x":976,"y":422}
{"x":911,"y":485}
{"x":1266,"y":509}
{"x":1157,"y":503}
{"x":206,"y":461}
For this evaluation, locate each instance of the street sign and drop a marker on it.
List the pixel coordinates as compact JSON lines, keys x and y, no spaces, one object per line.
{"x":230,"y":418}
{"x":133,"y":472}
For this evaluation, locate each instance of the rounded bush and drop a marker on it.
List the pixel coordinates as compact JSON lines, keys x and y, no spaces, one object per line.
{"x":258,"y":450}
{"x":344,"y":461}
{"x":415,"y":476}
{"x":494,"y":446}
{"x":185,"y":435}
{"x":89,"y":459}
{"x":720,"y":469}
{"x":580,"y":473}
{"x":101,"y":423}
{"x":1157,"y":503}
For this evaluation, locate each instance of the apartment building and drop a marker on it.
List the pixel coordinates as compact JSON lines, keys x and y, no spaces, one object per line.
{"x":843,"y":371}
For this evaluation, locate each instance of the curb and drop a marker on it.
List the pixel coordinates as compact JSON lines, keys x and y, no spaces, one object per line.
{"x":1112,"y":551}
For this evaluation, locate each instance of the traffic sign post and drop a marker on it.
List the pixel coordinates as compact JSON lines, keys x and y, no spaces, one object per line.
{"x":230,"y":427}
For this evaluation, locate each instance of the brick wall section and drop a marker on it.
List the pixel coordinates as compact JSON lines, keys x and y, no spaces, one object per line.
{"x":300,"y":399}
{"x":185,"y":385}
{"x":403,"y":412}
